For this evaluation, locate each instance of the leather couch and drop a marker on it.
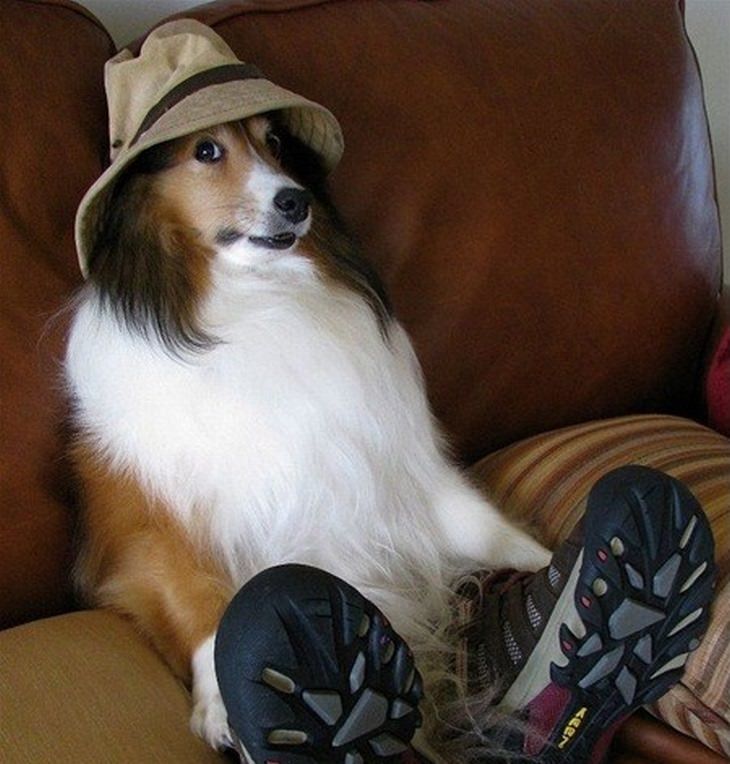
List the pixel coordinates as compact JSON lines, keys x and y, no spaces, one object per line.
{"x":534,"y":183}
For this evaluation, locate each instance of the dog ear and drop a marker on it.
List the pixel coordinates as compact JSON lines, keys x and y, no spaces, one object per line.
{"x":304,"y":165}
{"x":148,"y":270}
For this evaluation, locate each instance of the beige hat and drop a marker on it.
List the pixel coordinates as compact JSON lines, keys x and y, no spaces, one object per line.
{"x":185,"y":79}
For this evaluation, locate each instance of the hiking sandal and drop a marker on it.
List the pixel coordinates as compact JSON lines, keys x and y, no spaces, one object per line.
{"x":606,"y":627}
{"x":311,"y":671}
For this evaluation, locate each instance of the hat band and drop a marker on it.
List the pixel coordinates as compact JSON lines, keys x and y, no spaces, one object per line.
{"x":215,"y":76}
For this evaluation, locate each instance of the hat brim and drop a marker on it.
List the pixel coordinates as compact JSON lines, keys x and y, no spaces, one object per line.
{"x":311,"y":123}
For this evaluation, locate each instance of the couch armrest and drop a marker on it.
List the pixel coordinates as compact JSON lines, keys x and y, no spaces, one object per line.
{"x":84,"y":687}
{"x":715,"y":373}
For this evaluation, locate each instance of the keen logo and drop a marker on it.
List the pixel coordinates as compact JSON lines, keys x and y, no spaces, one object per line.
{"x":572,"y":726}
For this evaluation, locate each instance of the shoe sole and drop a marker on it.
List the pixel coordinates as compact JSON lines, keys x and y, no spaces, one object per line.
{"x":311,"y":671}
{"x":635,"y":608}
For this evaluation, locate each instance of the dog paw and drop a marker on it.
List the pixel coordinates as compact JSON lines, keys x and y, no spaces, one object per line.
{"x":209,"y":721}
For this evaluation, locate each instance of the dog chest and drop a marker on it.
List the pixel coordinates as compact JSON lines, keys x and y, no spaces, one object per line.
{"x":279,"y":434}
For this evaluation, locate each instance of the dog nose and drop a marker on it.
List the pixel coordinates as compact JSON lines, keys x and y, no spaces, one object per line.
{"x":293,"y":204}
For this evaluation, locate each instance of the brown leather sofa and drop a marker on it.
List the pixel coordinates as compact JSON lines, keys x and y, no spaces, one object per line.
{"x":534,"y":182}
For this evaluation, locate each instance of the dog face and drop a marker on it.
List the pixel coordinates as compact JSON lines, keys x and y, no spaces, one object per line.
{"x":226,"y":186}
{"x":241,"y":204}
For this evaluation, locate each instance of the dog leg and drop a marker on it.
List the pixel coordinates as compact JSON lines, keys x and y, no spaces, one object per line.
{"x":140,"y":561}
{"x":209,"y":719}
{"x":477,"y":532}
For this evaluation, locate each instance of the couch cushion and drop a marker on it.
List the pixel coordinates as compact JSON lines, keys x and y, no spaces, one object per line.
{"x":544,"y":480}
{"x":86,"y":688}
{"x":534,"y":182}
{"x":52,"y":144}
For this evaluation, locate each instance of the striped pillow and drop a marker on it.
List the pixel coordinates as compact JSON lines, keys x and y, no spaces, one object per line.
{"x":543,"y":481}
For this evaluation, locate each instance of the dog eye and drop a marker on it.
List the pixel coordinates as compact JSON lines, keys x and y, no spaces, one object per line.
{"x":208,"y":152}
{"x":273,"y":143}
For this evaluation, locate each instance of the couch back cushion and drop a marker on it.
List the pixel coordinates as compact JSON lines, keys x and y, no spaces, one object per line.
{"x":52,"y":143}
{"x":533,"y":181}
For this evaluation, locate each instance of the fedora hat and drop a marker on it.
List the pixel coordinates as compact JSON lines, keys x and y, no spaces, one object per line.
{"x":186,"y":79}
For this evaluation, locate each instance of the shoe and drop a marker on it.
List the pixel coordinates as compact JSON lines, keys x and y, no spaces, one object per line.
{"x":311,"y":671}
{"x":606,"y":627}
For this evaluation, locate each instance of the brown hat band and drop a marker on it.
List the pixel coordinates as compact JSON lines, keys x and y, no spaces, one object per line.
{"x":215,"y":76}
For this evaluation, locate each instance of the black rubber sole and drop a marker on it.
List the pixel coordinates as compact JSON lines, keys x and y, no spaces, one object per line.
{"x":643,"y":594}
{"x":311,"y":671}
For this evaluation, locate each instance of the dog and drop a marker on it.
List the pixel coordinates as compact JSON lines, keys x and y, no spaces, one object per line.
{"x":243,"y":396}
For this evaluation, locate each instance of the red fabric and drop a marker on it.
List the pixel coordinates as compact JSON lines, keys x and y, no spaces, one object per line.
{"x":718,"y":387}
{"x":545,"y":711}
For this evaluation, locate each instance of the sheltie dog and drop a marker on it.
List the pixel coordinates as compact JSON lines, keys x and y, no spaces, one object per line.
{"x":242,"y":397}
